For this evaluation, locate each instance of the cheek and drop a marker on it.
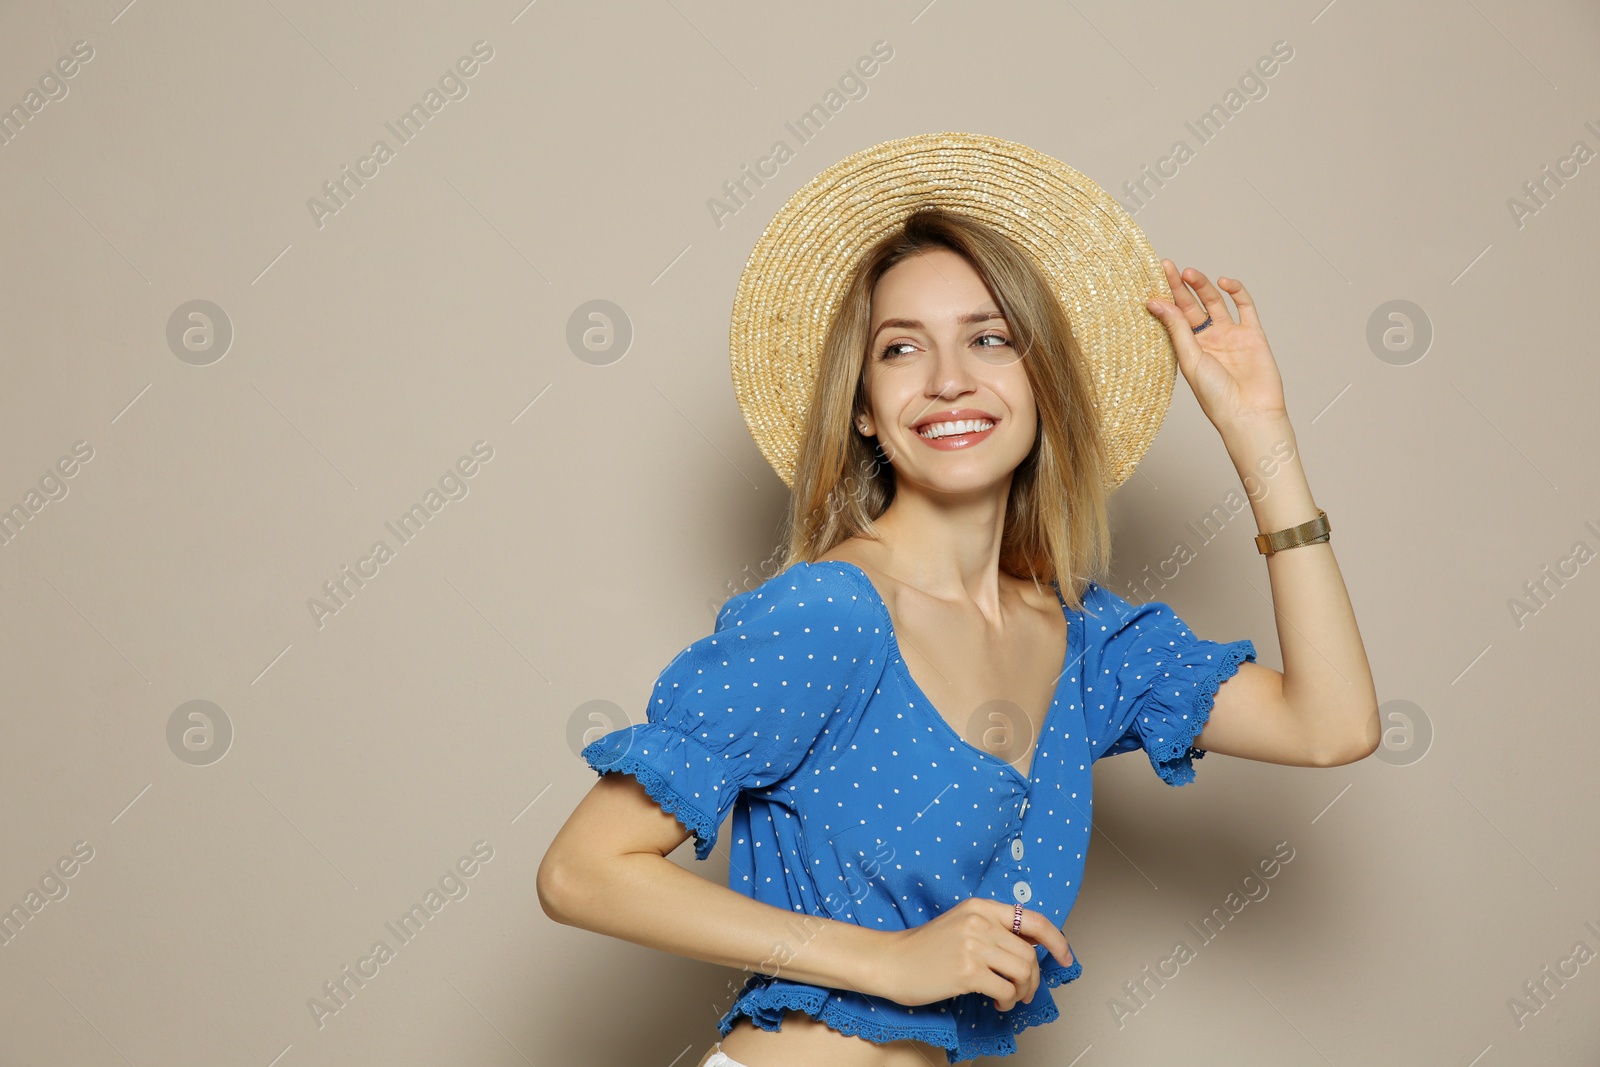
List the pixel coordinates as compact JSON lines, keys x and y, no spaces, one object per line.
{"x":1024,"y":413}
{"x":891,"y":402}
{"x":1017,"y":394}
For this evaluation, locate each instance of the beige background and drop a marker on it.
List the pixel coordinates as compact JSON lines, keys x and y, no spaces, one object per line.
{"x":444,"y":703}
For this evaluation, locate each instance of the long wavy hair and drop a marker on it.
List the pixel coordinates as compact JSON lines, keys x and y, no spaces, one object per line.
{"x":1056,"y":523}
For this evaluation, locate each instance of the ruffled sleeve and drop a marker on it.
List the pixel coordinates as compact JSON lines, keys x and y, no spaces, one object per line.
{"x":741,"y":708}
{"x":1150,"y":682}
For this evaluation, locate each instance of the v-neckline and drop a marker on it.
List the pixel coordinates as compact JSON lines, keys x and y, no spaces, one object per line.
{"x":1026,"y":778}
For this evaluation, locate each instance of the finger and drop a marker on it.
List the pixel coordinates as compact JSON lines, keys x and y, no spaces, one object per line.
{"x":1210,"y":296}
{"x":1020,"y":946}
{"x":1033,"y":978}
{"x":1039,"y":930}
{"x":1019,"y":964}
{"x":1178,"y":327}
{"x":1241,"y":300}
{"x":996,"y":988}
{"x":1007,"y":976}
{"x":1181,"y":297}
{"x":1032,"y":988}
{"x":1023,"y":974}
{"x":1042,"y":931}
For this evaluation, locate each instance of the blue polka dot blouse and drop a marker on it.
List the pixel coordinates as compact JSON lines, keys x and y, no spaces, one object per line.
{"x":854,"y":799}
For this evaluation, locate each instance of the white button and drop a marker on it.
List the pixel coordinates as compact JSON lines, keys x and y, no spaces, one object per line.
{"x":1021,"y":891}
{"x":1016,"y":848}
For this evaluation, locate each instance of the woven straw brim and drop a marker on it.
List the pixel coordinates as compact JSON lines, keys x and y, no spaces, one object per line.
{"x":1095,"y":256}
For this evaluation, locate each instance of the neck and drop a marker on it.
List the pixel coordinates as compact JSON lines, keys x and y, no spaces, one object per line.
{"x":946,"y":544}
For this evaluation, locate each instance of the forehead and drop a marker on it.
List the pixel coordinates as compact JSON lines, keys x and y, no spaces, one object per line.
{"x":939,"y":282}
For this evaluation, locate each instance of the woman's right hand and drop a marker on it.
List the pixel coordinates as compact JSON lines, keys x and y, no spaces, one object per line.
{"x":968,"y":949}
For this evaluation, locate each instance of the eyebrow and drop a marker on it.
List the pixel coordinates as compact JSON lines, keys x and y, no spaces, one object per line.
{"x":914,"y":324}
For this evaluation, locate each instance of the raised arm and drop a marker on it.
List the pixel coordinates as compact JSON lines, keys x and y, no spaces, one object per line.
{"x":1322,"y":708}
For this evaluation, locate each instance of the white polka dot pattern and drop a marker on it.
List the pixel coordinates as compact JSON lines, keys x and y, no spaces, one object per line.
{"x":1150,"y":683}
{"x":854,"y":799}
{"x":741,"y":708}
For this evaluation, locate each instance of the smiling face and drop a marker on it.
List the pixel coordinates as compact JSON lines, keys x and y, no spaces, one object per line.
{"x":939,"y":347}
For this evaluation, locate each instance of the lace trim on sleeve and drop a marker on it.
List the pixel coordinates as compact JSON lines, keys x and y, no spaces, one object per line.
{"x":1174,"y":758}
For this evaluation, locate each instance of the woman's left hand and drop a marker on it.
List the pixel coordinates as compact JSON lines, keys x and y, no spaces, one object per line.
{"x":1228,"y":364}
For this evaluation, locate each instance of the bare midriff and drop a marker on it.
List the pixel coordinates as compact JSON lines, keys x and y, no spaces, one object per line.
{"x":805,"y":1042}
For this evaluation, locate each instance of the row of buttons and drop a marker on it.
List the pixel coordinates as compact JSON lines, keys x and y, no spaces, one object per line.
{"x":1020,"y":889}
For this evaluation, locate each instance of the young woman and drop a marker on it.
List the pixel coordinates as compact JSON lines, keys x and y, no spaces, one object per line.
{"x":902,"y":720}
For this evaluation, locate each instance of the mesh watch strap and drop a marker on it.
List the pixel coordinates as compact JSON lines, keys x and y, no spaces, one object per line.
{"x":1314,"y":532}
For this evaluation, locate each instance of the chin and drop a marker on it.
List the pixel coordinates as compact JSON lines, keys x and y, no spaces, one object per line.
{"x":969,"y":471}
{"x":972,"y":480}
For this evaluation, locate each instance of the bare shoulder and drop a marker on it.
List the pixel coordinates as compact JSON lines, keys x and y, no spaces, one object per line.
{"x":862,"y":552}
{"x":857,"y":550}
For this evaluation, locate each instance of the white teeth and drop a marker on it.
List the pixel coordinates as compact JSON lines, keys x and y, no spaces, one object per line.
{"x":950,"y":429}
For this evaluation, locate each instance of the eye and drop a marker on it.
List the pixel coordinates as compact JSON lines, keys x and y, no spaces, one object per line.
{"x":994,"y":337}
{"x":888,"y":350}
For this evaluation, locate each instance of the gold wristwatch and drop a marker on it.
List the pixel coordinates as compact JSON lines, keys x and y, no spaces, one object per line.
{"x":1314,"y":532}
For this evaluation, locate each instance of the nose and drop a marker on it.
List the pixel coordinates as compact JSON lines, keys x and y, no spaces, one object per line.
{"x":949,"y":372}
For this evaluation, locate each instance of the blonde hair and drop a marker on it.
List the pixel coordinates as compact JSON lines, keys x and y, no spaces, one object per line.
{"x":1056,"y":523}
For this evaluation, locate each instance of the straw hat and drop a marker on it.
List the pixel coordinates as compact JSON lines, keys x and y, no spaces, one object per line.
{"x":1096,"y":258}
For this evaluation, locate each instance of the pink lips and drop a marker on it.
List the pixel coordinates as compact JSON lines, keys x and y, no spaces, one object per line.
{"x":956,"y":442}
